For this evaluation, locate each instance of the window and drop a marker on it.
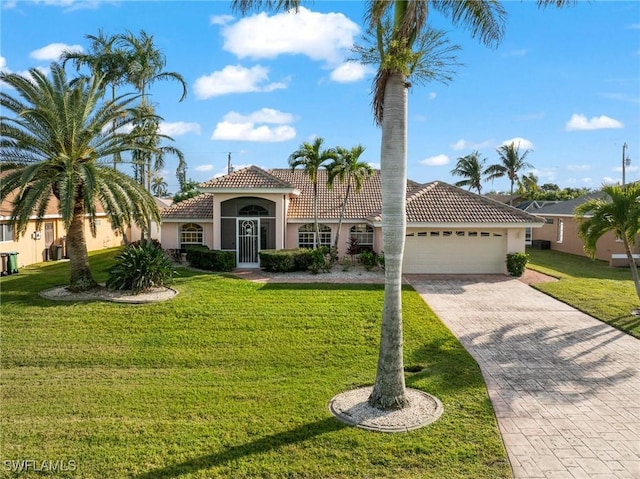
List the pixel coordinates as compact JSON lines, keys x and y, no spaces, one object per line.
{"x":560,"y":231}
{"x":363,"y":234}
{"x":446,"y":233}
{"x":253,"y":210}
{"x":306,"y":235}
{"x":473,"y":234}
{"x":459,"y":233}
{"x":434,"y":233}
{"x":191,"y":233}
{"x":528,"y":234}
{"x":549,"y":221}
{"x":6,"y":232}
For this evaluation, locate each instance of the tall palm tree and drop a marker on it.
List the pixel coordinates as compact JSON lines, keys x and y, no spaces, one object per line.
{"x":57,"y":143}
{"x":471,"y":168}
{"x":347,"y":167}
{"x":311,"y":157}
{"x":620,"y":213}
{"x":511,"y":164}
{"x":528,"y":186}
{"x":145,"y":67}
{"x":105,"y":59}
{"x":398,"y":61}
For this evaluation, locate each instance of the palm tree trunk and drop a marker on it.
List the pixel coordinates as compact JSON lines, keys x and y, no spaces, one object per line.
{"x":389,"y":389}
{"x":632,"y":265}
{"x":81,"y":278}
{"x":342,"y":211}
{"x":316,"y":229}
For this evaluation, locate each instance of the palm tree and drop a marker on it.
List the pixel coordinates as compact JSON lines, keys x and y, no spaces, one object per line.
{"x":471,"y":168}
{"x":348,"y":168}
{"x":512,"y":163}
{"x":398,"y":61}
{"x":105,"y":59}
{"x":145,"y":67}
{"x":620,"y":213}
{"x":311,"y":156}
{"x":57,"y":143}
{"x":528,"y":186}
{"x":159,"y":186}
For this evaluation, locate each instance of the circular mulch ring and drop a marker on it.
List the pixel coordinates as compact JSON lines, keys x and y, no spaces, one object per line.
{"x":154,"y":295}
{"x":351,"y":407}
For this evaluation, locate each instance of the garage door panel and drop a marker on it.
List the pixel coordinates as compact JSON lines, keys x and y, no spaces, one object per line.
{"x":455,"y":254}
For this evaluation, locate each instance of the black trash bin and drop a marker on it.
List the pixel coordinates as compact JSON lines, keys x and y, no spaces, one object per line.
{"x":4,"y":260}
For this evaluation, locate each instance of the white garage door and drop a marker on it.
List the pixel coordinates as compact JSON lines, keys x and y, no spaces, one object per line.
{"x":455,"y":252}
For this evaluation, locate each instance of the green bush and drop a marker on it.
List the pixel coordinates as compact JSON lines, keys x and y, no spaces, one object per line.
{"x":285,"y":260}
{"x":210,"y":259}
{"x":139,"y":267}
{"x":517,"y":263}
{"x":323,"y":259}
{"x":368,"y":259}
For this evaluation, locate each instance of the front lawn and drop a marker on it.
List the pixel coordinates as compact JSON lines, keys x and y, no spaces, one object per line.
{"x":591,"y":286}
{"x":228,"y":379}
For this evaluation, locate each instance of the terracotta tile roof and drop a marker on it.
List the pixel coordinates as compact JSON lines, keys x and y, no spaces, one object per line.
{"x":251,"y":177}
{"x":439,"y":202}
{"x":200,"y":206}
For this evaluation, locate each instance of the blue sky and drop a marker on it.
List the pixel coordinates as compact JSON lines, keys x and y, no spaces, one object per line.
{"x":565,"y":84}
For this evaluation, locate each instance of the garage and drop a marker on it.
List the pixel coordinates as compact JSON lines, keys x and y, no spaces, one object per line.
{"x":444,"y":251}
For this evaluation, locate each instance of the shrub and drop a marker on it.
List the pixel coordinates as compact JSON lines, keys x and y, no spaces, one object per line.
{"x":516,"y":263}
{"x":285,"y":260}
{"x":210,"y":259}
{"x":368,"y":259}
{"x":139,"y":267}
{"x":322,"y":259}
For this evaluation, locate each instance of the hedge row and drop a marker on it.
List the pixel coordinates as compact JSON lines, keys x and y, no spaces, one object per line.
{"x":213,"y":260}
{"x":286,"y":260}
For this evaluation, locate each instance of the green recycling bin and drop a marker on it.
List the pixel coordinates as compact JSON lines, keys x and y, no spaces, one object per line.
{"x":12,"y":262}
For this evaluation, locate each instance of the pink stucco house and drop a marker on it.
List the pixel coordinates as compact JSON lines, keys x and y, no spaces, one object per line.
{"x":449,"y":230}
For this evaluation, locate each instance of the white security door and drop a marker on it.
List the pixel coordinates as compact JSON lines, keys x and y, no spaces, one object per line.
{"x":248,"y":242}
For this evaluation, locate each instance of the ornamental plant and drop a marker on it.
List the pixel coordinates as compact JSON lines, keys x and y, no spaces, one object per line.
{"x":516,"y":263}
{"x":140,"y":267}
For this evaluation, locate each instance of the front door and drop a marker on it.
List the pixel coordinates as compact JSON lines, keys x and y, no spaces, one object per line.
{"x":248,"y":242}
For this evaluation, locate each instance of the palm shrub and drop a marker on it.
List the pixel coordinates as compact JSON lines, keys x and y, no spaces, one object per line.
{"x":140,"y":267}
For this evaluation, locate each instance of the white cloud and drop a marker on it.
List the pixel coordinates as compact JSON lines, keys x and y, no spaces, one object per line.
{"x":627,"y":169}
{"x":220,"y":19}
{"x":439,"y":160}
{"x":255,"y":127}
{"x":515,"y":53}
{"x":607,"y":180}
{"x":549,"y":174}
{"x":578,"y":167}
{"x":580,"y":122}
{"x":375,"y":166}
{"x":204,"y":168}
{"x":432,"y":95}
{"x":468,"y":145}
{"x":3,"y":65}
{"x":179,"y":128}
{"x":521,"y":143}
{"x":52,"y":51}
{"x":235,"y":79}
{"x":350,"y":72}
{"x":320,"y":36}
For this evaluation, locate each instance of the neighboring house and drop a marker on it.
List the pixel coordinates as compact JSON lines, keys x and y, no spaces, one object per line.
{"x":449,"y":230}
{"x":561,"y":228}
{"x":48,"y":242}
{"x":134,"y":233}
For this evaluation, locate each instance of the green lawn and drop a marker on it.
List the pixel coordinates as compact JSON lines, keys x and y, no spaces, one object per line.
{"x":228,"y":379}
{"x":591,"y":286}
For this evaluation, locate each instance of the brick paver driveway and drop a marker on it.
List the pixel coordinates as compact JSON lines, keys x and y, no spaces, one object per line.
{"x":565,"y":387}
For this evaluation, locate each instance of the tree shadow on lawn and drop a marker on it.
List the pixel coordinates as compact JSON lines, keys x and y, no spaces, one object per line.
{"x":561,"y":367}
{"x":259,"y":446}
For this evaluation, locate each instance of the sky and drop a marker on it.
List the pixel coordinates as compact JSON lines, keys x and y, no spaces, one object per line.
{"x":563,"y":84}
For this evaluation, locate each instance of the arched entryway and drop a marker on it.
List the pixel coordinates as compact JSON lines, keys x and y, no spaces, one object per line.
{"x":248,"y":225}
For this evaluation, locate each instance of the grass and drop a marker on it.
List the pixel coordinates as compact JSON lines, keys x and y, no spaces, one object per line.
{"x":228,"y":379}
{"x":592,"y":286}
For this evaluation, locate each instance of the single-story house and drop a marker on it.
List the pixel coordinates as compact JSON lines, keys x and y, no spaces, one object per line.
{"x":449,"y":230}
{"x":560,"y":228}
{"x":48,"y":241}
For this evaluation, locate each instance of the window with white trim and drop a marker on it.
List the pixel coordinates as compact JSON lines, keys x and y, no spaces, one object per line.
{"x":6,"y":232}
{"x":560,"y":231}
{"x":191,"y":233}
{"x":363,"y":234}
{"x":306,"y":236}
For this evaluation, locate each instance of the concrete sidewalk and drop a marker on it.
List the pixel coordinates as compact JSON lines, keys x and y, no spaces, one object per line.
{"x":565,"y":386}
